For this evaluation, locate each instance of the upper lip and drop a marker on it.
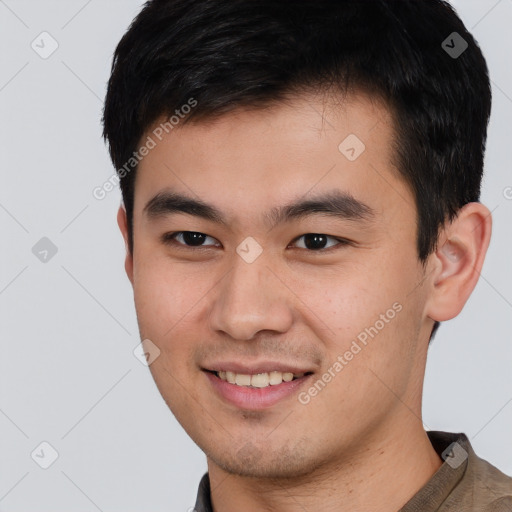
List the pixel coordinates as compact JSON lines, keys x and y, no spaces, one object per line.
{"x":253,"y":369}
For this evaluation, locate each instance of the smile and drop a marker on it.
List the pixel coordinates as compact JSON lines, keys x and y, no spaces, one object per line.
{"x":255,"y":391}
{"x":258,"y":380}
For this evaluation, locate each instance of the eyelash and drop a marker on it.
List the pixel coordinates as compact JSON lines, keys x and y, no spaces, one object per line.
{"x":169,"y":239}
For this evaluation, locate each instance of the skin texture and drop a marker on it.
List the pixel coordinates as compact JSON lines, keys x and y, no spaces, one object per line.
{"x":358,"y":444}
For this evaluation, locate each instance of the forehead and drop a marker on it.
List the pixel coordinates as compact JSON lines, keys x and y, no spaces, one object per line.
{"x":250,"y":160}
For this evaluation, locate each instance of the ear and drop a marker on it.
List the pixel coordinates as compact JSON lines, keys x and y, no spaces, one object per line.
{"x":122,"y":222}
{"x":458,"y":260}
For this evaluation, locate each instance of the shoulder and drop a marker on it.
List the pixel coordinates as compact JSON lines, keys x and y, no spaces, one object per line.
{"x":493,"y":488}
{"x":478,"y":486}
{"x":488,"y":488}
{"x":500,"y":505}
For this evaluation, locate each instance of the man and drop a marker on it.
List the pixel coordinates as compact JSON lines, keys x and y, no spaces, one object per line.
{"x":300,"y":184}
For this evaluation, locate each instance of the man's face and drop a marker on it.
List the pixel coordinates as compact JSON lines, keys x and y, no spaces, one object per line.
{"x":348,"y":315}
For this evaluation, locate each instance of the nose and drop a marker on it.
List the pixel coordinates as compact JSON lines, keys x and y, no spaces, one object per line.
{"x":251,"y":298}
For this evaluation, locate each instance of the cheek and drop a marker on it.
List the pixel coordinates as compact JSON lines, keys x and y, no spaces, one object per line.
{"x":370,"y":318}
{"x":369,"y":371}
{"x":166,"y":303}
{"x":348,"y":299}
{"x":165,"y":296}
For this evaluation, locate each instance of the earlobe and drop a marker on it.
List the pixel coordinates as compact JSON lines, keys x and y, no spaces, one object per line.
{"x":122,"y":222}
{"x":458,"y":261}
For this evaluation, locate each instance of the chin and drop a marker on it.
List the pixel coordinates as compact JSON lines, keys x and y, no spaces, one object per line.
{"x":266,"y":462}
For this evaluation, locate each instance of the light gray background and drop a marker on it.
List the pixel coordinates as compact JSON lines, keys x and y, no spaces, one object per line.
{"x":68,"y":326}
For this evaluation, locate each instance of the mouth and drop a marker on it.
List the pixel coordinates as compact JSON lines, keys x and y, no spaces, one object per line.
{"x":258,"y":380}
{"x":255,"y":391}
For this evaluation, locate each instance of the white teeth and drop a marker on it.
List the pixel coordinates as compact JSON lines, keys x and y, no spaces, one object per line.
{"x":275,"y":378}
{"x":243,"y":380}
{"x":259,"y":380}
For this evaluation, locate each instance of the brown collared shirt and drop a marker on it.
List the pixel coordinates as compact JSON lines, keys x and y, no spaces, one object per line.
{"x":464,"y":483}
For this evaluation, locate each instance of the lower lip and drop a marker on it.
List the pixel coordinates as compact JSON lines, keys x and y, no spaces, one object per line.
{"x":254,"y":399}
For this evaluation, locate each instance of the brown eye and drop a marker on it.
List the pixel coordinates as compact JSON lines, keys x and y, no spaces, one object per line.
{"x":187,"y":238}
{"x":318,"y":241}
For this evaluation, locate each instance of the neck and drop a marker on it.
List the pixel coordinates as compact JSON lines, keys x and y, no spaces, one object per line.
{"x":381,"y":476}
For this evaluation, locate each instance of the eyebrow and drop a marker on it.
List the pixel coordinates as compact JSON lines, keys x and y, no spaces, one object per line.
{"x":337,"y":204}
